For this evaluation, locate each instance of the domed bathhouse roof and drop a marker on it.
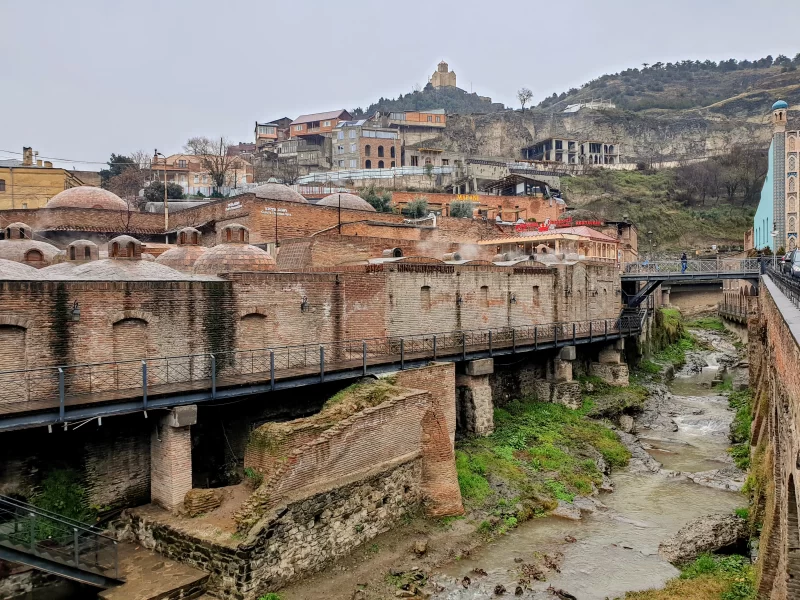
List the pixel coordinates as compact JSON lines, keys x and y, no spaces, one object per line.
{"x":125,"y":246}
{"x":233,"y":254}
{"x":779,"y":105}
{"x":350,"y":201}
{"x":109,"y":269}
{"x":19,"y":247}
{"x":86,"y":196}
{"x":11,"y":270}
{"x":186,"y":254}
{"x":278,"y":191}
{"x":82,"y":251}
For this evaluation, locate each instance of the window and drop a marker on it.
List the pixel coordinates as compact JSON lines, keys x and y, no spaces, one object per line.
{"x":341,"y":163}
{"x":425,"y":297}
{"x":24,"y":205}
{"x":438,"y":119}
{"x":298,"y":128}
{"x":352,"y":134}
{"x":87,"y":253}
{"x":182,"y":164}
{"x":414,"y":161}
{"x":368,"y":164}
{"x":340,"y":149}
{"x":194,"y":239}
{"x":393,"y":164}
{"x":380,"y":164}
{"x":197,"y":179}
{"x":380,"y":151}
{"x":430,"y":119}
{"x":535,"y":296}
{"x":445,"y":162}
{"x":484,"y":296}
{"x":72,"y":253}
{"x":262,"y":130}
{"x":327,"y":124}
{"x":340,"y":135}
{"x":227,"y":235}
{"x":2,"y":185}
{"x":353,"y":163}
{"x":391,"y":152}
{"x":559,"y":145}
{"x":367,"y":151}
{"x":428,"y":162}
{"x":353,"y":148}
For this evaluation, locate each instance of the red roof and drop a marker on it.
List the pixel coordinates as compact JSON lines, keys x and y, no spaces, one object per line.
{"x":324,"y":116}
{"x":581,"y":230}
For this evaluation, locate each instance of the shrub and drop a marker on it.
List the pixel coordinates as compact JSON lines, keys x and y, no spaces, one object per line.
{"x":417,"y":208}
{"x":381,"y":201}
{"x":462,"y":210}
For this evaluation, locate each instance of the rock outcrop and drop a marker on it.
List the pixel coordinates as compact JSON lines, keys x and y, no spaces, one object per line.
{"x":705,"y":534}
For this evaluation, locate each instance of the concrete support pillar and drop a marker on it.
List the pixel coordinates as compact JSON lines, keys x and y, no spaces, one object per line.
{"x":560,"y":386}
{"x":665,"y":296}
{"x":610,"y":366}
{"x":171,"y":457}
{"x":475,"y":408}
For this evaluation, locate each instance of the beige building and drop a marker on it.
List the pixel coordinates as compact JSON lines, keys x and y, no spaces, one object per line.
{"x":443,"y":76}
{"x":30,"y":182}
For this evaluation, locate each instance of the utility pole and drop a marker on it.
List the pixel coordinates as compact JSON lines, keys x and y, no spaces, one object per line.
{"x":166,"y":201}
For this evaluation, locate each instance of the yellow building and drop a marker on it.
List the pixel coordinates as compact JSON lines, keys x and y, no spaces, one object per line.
{"x":29,"y":184}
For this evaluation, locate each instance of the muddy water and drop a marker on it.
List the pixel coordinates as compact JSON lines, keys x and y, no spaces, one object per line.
{"x":616,"y":548}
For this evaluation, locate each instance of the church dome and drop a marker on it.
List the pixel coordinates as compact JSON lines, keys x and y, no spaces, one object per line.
{"x":86,"y":196}
{"x":350,"y":201}
{"x":233,"y":254}
{"x":278,"y":191}
{"x":779,"y":105}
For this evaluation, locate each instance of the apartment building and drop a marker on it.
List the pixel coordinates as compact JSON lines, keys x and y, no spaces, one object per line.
{"x":359,"y":144}
{"x":414,"y":126}
{"x":187,"y":170}
{"x":31,"y":182}
{"x":318,"y":124}
{"x":574,"y":152}
{"x":267,"y":134}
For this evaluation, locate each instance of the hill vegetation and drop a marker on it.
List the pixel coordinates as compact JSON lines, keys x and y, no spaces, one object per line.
{"x":682,"y":85}
{"x":452,"y":100}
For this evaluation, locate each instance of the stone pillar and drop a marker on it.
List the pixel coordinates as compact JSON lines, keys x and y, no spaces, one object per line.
{"x":610,"y":366}
{"x":563,"y":388}
{"x":171,"y":457}
{"x":665,"y":296}
{"x":475,"y":408}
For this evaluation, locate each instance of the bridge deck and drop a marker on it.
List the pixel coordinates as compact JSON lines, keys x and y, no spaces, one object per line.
{"x":53,"y":395}
{"x":693,"y":270}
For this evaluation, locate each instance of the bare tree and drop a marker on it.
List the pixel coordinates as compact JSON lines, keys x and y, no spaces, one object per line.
{"x":127,"y":184}
{"x":213,"y":157}
{"x":524,"y":96}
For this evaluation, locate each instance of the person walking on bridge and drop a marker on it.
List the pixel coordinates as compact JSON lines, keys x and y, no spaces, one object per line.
{"x":684,"y":263}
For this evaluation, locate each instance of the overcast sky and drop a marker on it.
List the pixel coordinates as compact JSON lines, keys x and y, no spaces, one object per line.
{"x":83,"y":78}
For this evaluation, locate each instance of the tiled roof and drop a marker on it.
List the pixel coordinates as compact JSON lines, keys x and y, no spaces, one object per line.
{"x":333,"y":114}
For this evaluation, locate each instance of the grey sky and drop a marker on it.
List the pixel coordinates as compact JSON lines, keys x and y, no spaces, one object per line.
{"x":84,"y":78}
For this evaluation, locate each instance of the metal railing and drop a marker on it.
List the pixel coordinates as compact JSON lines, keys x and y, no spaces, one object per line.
{"x":47,"y":387}
{"x":734,"y":311}
{"x":694,"y":267}
{"x":789,"y":286}
{"x":50,"y":536}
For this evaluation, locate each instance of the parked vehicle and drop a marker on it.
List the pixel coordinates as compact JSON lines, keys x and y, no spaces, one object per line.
{"x":793,"y":264}
{"x":784,"y":262}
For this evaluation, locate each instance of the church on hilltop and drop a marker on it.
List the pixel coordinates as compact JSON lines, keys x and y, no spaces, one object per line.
{"x":443,"y":77}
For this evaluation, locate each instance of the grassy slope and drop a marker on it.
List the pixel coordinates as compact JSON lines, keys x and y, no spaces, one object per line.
{"x":648,"y":200}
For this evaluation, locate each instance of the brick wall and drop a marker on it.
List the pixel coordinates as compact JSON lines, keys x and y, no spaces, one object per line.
{"x":170,"y":464}
{"x":85,"y":220}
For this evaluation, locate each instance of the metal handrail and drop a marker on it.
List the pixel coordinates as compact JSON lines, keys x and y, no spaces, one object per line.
{"x":55,"y":383}
{"x":48,"y":535}
{"x":694,"y":266}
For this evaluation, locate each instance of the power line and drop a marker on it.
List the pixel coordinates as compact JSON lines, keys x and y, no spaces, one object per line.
{"x":71,"y":160}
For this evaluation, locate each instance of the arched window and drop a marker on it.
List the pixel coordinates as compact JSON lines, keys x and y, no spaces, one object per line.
{"x":391,"y":152}
{"x":194,"y":238}
{"x":34,"y":256}
{"x":114,"y":250}
{"x":368,"y":164}
{"x":131,"y":249}
{"x":792,"y":186}
{"x":21,"y":233}
{"x":2,"y":185}
{"x":241,"y":235}
{"x":182,"y":238}
{"x":393,"y":164}
{"x":227,"y":235}
{"x":428,"y":161}
{"x":72,"y":253}
{"x":87,"y":253}
{"x":380,"y":151}
{"x":380,"y":164}
{"x":425,"y":297}
{"x":484,"y":296}
{"x":367,"y":151}
{"x":8,"y":233}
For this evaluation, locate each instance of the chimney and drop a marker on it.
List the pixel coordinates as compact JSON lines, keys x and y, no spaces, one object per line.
{"x":48,"y":164}
{"x":38,"y":162}
{"x":27,"y":156}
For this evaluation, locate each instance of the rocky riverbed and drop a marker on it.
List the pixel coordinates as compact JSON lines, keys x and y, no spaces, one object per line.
{"x":680,"y":471}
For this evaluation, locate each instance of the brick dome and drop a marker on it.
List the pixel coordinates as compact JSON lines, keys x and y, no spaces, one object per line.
{"x":28,"y":251}
{"x":12,"y":270}
{"x":181,"y":258}
{"x":109,"y":269}
{"x":86,"y":196}
{"x":82,"y":251}
{"x":350,"y":201}
{"x":233,"y":254}
{"x":278,"y":191}
{"x":125,"y":246}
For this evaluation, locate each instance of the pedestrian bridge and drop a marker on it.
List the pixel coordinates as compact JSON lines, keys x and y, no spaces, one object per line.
{"x":653,"y":274}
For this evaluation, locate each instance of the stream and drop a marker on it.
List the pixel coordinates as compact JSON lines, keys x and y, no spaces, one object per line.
{"x":680,"y":471}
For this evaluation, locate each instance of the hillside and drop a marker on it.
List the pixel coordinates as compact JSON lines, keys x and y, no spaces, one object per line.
{"x":688,"y":84}
{"x":452,"y":100}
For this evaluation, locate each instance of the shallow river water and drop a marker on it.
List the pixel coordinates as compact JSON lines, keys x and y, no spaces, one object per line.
{"x":616,"y":548}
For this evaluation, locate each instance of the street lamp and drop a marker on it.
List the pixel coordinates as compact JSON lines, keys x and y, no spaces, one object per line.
{"x":774,"y":234}
{"x":156,"y":153}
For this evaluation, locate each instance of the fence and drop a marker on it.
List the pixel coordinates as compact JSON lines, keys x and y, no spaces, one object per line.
{"x":56,"y":538}
{"x":30,"y":389}
{"x":694,"y":267}
{"x":353,"y":174}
